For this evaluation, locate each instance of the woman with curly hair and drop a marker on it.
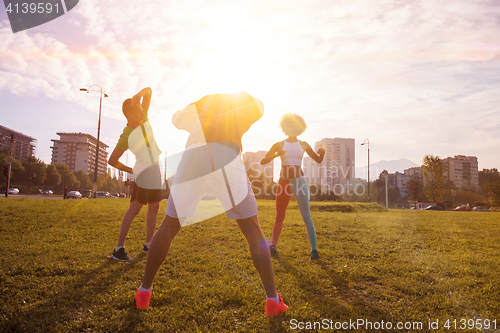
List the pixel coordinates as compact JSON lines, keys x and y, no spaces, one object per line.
{"x":292,"y":180}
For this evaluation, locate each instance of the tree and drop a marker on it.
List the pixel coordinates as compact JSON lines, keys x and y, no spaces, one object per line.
{"x":257,"y":180}
{"x":415,"y":189}
{"x":495,"y":188}
{"x":67,"y":177}
{"x":380,"y":186}
{"x":35,"y":171}
{"x":17,"y":173}
{"x":53,"y":176}
{"x":394,"y":194}
{"x":315,"y":191}
{"x":488,"y":176}
{"x":102,"y":182}
{"x":450,"y":185}
{"x":85,"y":183}
{"x":433,"y":173}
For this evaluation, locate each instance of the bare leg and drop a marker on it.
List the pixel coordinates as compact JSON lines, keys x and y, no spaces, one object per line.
{"x":134,"y":209}
{"x":151,"y":219}
{"x":259,"y":251}
{"x":160,"y":245}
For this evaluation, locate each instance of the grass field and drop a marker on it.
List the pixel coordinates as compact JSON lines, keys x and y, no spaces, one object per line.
{"x":400,"y":266}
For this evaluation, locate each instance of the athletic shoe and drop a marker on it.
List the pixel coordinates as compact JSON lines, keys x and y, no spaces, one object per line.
{"x":314,"y":255}
{"x":120,"y":255}
{"x":142,"y":299}
{"x":274,"y":309}
{"x":274,"y":250}
{"x":145,"y":249}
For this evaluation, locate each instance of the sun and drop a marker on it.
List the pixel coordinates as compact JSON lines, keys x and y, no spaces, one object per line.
{"x":237,"y":61}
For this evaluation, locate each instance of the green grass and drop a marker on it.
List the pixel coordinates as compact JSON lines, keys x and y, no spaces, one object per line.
{"x":56,"y":274}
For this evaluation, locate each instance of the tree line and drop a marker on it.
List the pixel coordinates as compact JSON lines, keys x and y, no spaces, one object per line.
{"x":33,"y":175}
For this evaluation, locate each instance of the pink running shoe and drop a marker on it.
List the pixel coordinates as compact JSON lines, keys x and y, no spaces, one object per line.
{"x":142,"y":299}
{"x":274,"y":309}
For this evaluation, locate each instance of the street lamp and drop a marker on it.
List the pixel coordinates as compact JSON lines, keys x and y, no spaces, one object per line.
{"x":367,"y":142}
{"x":101,"y":91}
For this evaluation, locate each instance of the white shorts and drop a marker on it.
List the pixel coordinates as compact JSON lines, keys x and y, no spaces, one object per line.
{"x":215,"y":168}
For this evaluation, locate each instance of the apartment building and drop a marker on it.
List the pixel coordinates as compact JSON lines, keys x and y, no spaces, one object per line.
{"x":415,"y":172}
{"x":252,"y":160}
{"x":399,"y":180}
{"x":23,"y":145}
{"x":337,"y":168}
{"x":462,"y":171}
{"x":78,"y":151}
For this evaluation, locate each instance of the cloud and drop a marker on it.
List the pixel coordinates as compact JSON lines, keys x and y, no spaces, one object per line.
{"x":405,"y":74}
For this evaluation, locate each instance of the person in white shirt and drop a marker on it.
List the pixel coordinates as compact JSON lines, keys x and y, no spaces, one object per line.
{"x":292,"y":180}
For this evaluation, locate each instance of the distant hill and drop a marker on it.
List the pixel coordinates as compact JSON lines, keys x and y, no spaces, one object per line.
{"x":391,"y":166}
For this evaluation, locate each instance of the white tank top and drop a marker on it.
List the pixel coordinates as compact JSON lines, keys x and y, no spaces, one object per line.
{"x":293,"y":155}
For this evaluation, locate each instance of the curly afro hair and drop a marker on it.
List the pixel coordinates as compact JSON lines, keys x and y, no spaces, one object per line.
{"x":292,"y":124}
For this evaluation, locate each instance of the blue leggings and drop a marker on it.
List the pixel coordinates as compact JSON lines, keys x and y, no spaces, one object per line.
{"x":298,"y":187}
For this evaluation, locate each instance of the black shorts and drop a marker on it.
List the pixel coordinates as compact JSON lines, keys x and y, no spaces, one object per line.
{"x":145,"y":196}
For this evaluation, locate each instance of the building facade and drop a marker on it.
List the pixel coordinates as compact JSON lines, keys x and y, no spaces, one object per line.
{"x":252,"y":160}
{"x":415,"y":172}
{"x":23,"y":147}
{"x":462,"y":171}
{"x":399,"y":180}
{"x":336,"y":171}
{"x":78,"y":151}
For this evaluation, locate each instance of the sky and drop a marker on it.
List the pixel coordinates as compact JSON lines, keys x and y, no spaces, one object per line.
{"x":413,"y":77}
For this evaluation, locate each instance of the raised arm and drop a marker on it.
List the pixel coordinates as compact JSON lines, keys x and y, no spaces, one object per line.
{"x":275,"y":151}
{"x":318,"y":157}
{"x":113,"y":161}
{"x":145,"y":94}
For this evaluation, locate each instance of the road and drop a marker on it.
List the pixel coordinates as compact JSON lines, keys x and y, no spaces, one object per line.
{"x":36,"y":196}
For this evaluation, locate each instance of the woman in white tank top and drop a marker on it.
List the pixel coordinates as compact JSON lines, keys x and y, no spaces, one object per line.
{"x":292,"y":180}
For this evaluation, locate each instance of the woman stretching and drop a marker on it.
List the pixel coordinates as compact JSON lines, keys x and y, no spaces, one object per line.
{"x":292,"y":179}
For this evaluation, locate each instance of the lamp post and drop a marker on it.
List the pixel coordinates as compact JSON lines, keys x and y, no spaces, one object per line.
{"x":367,"y":142}
{"x":101,"y":91}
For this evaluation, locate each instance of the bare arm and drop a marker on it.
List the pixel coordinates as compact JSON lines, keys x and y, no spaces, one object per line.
{"x":275,"y":151}
{"x":318,"y":157}
{"x":145,"y":94}
{"x":113,"y":161}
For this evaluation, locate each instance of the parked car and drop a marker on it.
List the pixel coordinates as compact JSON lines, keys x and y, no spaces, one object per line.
{"x":480,"y":209}
{"x":434,"y":208}
{"x":13,"y":191}
{"x":47,"y":192}
{"x":495,"y":209}
{"x":74,"y":195}
{"x":103,"y":195}
{"x":463,"y":208}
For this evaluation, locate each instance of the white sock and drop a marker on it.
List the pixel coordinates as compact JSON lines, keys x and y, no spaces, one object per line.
{"x":276,"y":299}
{"x":144,"y":289}
{"x":119,"y":247}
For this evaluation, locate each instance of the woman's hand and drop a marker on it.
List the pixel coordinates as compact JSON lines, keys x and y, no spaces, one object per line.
{"x":280,"y":152}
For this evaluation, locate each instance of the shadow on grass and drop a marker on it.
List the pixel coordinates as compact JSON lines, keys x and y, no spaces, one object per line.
{"x":72,"y":301}
{"x":339,"y":301}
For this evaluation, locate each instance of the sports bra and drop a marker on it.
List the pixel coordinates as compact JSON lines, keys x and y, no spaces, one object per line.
{"x":293,"y":155}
